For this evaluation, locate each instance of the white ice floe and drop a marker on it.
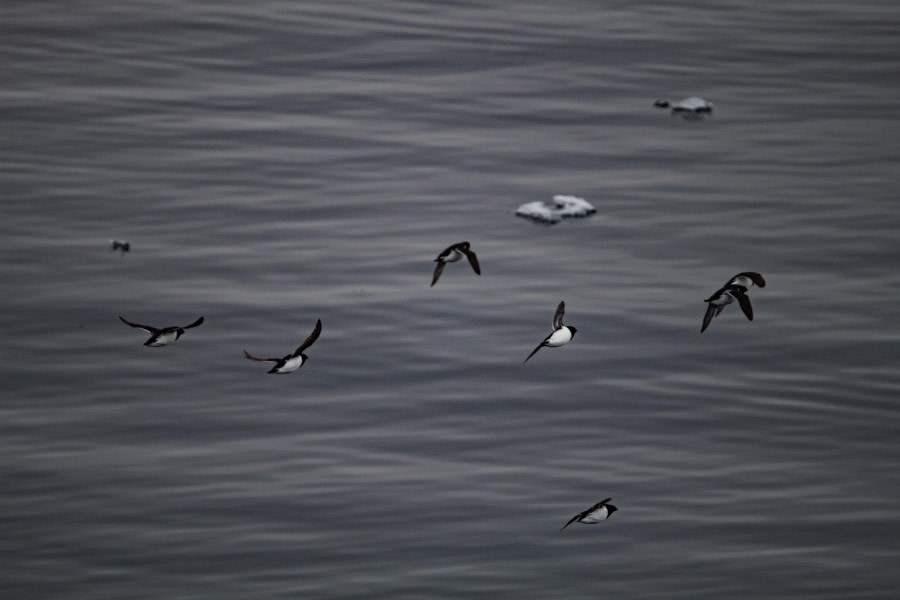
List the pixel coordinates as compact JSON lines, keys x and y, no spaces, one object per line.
{"x":561,"y":207}
{"x":694,"y":105}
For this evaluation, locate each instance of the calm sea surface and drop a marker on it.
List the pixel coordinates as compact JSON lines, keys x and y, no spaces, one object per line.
{"x":273,"y":163}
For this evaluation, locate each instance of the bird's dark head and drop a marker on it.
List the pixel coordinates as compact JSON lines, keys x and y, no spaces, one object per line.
{"x":610,"y":509}
{"x":573,"y":330}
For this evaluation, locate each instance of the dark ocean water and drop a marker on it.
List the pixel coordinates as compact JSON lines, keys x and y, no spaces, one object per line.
{"x":273,"y":163}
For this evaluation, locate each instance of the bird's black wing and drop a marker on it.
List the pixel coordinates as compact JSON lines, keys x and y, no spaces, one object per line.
{"x":438,"y":269}
{"x":473,"y":260}
{"x":711,"y":311}
{"x":249,"y":356}
{"x":533,"y":352}
{"x":744,"y":300}
{"x":312,"y":338}
{"x":558,"y":316}
{"x":580,"y":515}
{"x":194,"y":324}
{"x":147,"y":328}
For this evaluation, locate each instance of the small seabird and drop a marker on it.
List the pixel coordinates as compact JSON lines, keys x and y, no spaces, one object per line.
{"x":598,"y":512}
{"x":292,"y":361}
{"x":453,"y":254}
{"x":747,"y":279}
{"x":164,"y":336}
{"x":562,"y":334}
{"x":120,"y":245}
{"x":735,"y":289}
{"x":723,"y":298}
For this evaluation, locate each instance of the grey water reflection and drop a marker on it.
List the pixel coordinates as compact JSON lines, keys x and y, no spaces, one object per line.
{"x":276,"y":163}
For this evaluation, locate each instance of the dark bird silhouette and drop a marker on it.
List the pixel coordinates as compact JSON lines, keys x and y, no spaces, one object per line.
{"x":294,"y":360}
{"x":561,"y":334}
{"x":598,"y":512}
{"x":453,"y":254}
{"x":164,"y":336}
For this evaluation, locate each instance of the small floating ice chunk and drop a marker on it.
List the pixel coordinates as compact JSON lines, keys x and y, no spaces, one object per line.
{"x":561,"y":207}
{"x":573,"y":206}
{"x":539,"y":211}
{"x":693,"y":104}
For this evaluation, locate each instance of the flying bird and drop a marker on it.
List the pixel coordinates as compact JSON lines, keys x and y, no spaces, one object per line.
{"x":562,"y":334}
{"x":723,"y":298}
{"x":735,"y":289}
{"x":293,"y":361}
{"x":598,"y":512}
{"x":453,"y":254}
{"x":164,"y":336}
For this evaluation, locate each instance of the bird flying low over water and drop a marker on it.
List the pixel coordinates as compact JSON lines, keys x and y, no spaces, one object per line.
{"x":292,"y":361}
{"x":735,"y":289}
{"x":723,"y":298}
{"x":164,"y":336}
{"x":561,"y":335}
{"x":120,"y":245}
{"x":453,"y":254}
{"x":598,"y":512}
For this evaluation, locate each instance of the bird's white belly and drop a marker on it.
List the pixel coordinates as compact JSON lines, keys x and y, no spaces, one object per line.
{"x":722,"y":300}
{"x":596,"y":516}
{"x":291,"y":365}
{"x":165,"y":339}
{"x":453,"y":256}
{"x":559,"y":337}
